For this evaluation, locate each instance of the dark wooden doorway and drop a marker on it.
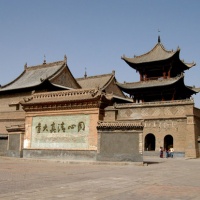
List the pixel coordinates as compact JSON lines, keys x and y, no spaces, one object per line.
{"x":168,"y":142}
{"x":150,"y":142}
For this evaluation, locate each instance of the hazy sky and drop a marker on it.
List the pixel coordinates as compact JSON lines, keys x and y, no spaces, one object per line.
{"x":94,"y":34}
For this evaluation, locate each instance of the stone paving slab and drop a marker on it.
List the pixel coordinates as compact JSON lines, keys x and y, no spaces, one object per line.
{"x":166,"y":179}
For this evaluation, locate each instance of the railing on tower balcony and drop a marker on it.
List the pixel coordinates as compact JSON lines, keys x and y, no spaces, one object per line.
{"x":183,"y":101}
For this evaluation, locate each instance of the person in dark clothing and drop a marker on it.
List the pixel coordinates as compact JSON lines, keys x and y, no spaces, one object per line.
{"x":161,"y":152}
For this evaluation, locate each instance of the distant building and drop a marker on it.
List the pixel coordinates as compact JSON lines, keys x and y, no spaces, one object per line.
{"x":46,"y":112}
{"x":162,"y":102}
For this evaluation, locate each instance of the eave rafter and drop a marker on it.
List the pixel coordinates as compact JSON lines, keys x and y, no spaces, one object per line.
{"x":118,"y":126}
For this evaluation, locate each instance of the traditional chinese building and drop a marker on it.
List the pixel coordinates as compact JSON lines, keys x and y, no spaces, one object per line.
{"x":162,"y":101}
{"x":161,"y":76}
{"x":47,"y":113}
{"x":42,"y":78}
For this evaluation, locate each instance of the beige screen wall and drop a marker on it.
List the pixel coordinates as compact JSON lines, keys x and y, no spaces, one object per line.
{"x":74,"y":129}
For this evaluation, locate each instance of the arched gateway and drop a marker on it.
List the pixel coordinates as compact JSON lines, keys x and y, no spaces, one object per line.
{"x":168,"y":141}
{"x":149,"y":142}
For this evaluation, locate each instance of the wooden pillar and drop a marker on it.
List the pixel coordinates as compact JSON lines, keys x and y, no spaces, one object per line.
{"x":141,"y":76}
{"x":173,"y":95}
{"x":164,"y":75}
{"x":163,"y":99}
{"x":169,"y":74}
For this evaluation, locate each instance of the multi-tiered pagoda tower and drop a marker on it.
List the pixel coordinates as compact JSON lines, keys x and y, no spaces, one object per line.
{"x":161,"y":76}
{"x":161,"y":102}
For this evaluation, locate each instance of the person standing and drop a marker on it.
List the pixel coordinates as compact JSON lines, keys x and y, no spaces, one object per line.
{"x":167,"y":153}
{"x":171,"y":152}
{"x":161,"y":152}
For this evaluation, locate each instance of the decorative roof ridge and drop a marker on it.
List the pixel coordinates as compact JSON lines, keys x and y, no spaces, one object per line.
{"x":44,"y":65}
{"x":160,"y":80}
{"x":163,"y":47}
{"x":96,"y":76}
{"x":147,"y":53}
{"x":65,"y":93}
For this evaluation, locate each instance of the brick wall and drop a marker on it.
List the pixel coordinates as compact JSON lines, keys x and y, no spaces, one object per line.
{"x":11,"y":113}
{"x":161,"y":119}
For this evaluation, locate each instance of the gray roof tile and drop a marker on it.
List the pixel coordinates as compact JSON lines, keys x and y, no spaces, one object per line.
{"x":156,"y":54}
{"x":63,"y":96}
{"x":95,"y":81}
{"x":33,"y":76}
{"x":150,"y":83}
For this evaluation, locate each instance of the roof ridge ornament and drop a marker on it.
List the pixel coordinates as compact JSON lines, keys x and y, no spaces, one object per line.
{"x":44,"y":62}
{"x":85,"y":75}
{"x":65,"y":59}
{"x":25,"y":66}
{"x":159,"y":40}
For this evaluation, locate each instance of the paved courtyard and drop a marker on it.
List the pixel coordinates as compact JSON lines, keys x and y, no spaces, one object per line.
{"x":161,"y":179}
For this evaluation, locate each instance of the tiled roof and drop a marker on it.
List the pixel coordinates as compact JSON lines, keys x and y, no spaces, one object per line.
{"x":33,"y":76}
{"x":156,"y":54}
{"x":196,"y":90}
{"x":127,"y":99}
{"x":150,"y":83}
{"x":99,"y":81}
{"x":189,"y":65}
{"x":62,"y":96}
{"x":118,"y":125}
{"x":103,"y":82}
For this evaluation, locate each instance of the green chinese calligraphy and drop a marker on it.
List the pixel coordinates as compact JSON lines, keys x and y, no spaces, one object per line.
{"x":53,"y":129}
{"x":81,"y":126}
{"x":62,"y":127}
{"x":45,"y":128}
{"x":38,"y":127}
{"x":72,"y":126}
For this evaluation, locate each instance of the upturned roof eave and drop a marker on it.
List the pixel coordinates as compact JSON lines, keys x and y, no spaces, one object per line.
{"x":134,"y":65}
{"x":34,"y":86}
{"x":187,"y":65}
{"x":10,"y":83}
{"x":3,"y":88}
{"x":124,"y":99}
{"x":193,"y":89}
{"x":147,"y":85}
{"x":61,"y":86}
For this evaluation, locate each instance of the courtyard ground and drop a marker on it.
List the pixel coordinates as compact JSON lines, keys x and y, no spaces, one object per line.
{"x":166,"y":179}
